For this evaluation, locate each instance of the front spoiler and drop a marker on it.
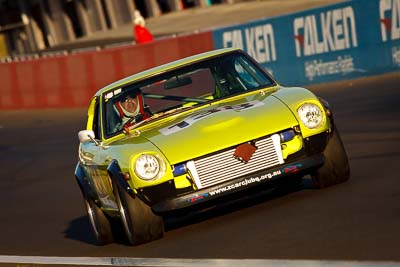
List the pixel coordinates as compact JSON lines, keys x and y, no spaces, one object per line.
{"x":239,"y":184}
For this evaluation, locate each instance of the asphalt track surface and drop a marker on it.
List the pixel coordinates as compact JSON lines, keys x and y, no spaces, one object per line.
{"x":42,"y":212}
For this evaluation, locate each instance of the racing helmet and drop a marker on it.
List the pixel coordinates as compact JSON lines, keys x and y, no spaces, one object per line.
{"x":122,"y":110}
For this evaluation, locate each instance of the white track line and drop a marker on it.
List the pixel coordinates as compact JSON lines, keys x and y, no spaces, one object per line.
{"x":110,"y":261}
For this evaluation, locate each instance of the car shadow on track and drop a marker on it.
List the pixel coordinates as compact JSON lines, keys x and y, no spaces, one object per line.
{"x":80,"y":229}
{"x":233,"y":203}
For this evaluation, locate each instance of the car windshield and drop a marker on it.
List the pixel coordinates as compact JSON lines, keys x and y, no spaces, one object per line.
{"x":183,"y":87}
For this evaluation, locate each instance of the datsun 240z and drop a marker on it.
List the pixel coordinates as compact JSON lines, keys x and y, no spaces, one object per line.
{"x":202,"y":127}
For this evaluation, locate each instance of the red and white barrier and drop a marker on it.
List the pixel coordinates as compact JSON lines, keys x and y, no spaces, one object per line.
{"x":69,"y":81}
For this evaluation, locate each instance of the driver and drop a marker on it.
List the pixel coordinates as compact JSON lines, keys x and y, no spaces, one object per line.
{"x":130,"y":110}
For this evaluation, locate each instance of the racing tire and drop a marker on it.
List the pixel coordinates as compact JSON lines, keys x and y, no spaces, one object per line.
{"x":101,"y":224}
{"x":141,"y":225}
{"x":336,"y":167}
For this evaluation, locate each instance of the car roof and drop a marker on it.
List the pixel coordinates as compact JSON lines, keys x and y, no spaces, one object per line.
{"x":165,"y":67}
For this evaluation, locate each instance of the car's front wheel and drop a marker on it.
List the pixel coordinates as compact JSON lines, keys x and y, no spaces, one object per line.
{"x":336,"y":167}
{"x":141,"y":225}
{"x":101,"y":225}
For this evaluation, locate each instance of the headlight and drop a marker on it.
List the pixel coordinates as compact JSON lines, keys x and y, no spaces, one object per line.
{"x":310,"y":115}
{"x":149,"y":167}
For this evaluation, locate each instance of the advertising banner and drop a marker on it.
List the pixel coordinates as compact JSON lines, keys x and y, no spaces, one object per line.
{"x":336,"y":42}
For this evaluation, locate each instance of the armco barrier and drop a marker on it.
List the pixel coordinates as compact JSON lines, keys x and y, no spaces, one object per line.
{"x":70,"y":80}
{"x":341,"y":41}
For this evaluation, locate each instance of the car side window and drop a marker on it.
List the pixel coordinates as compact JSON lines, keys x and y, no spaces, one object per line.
{"x":96,"y":121}
{"x":249,"y":75}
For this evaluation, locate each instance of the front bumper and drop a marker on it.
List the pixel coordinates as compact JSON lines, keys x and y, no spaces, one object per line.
{"x":303,"y":166}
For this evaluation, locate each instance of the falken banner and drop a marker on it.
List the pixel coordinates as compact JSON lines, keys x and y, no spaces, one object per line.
{"x":342,"y":41}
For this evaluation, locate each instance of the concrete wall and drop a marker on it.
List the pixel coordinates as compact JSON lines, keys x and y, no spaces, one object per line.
{"x":342,"y":41}
{"x":71,"y":80}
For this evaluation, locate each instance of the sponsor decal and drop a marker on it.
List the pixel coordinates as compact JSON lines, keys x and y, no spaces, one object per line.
{"x":292,"y":168}
{"x":317,"y":68}
{"x":245,"y":182}
{"x":333,"y":30}
{"x":389,"y":13}
{"x":258,"y":41}
{"x":196,"y":198}
{"x":248,"y":181}
{"x":204,"y":114}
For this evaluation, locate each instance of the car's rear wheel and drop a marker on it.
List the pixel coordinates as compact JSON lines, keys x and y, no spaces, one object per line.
{"x":101,"y":224}
{"x":141,"y":225}
{"x":336,"y":167}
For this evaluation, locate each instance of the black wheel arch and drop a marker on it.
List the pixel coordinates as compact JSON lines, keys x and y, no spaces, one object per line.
{"x":115,"y":173}
{"x":328,"y":110}
{"x":83,"y":183}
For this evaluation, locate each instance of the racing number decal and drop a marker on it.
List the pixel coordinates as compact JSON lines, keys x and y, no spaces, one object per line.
{"x":199,"y":116}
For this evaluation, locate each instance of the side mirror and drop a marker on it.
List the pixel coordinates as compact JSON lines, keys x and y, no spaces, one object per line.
{"x":86,"y":136}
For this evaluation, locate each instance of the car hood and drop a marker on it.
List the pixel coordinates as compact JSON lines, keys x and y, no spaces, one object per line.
{"x":218,"y":126}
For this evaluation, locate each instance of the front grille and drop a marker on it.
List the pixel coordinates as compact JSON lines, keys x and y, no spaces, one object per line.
{"x":222,"y":166}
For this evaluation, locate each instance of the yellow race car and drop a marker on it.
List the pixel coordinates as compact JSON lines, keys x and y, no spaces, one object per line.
{"x":187,"y":133}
